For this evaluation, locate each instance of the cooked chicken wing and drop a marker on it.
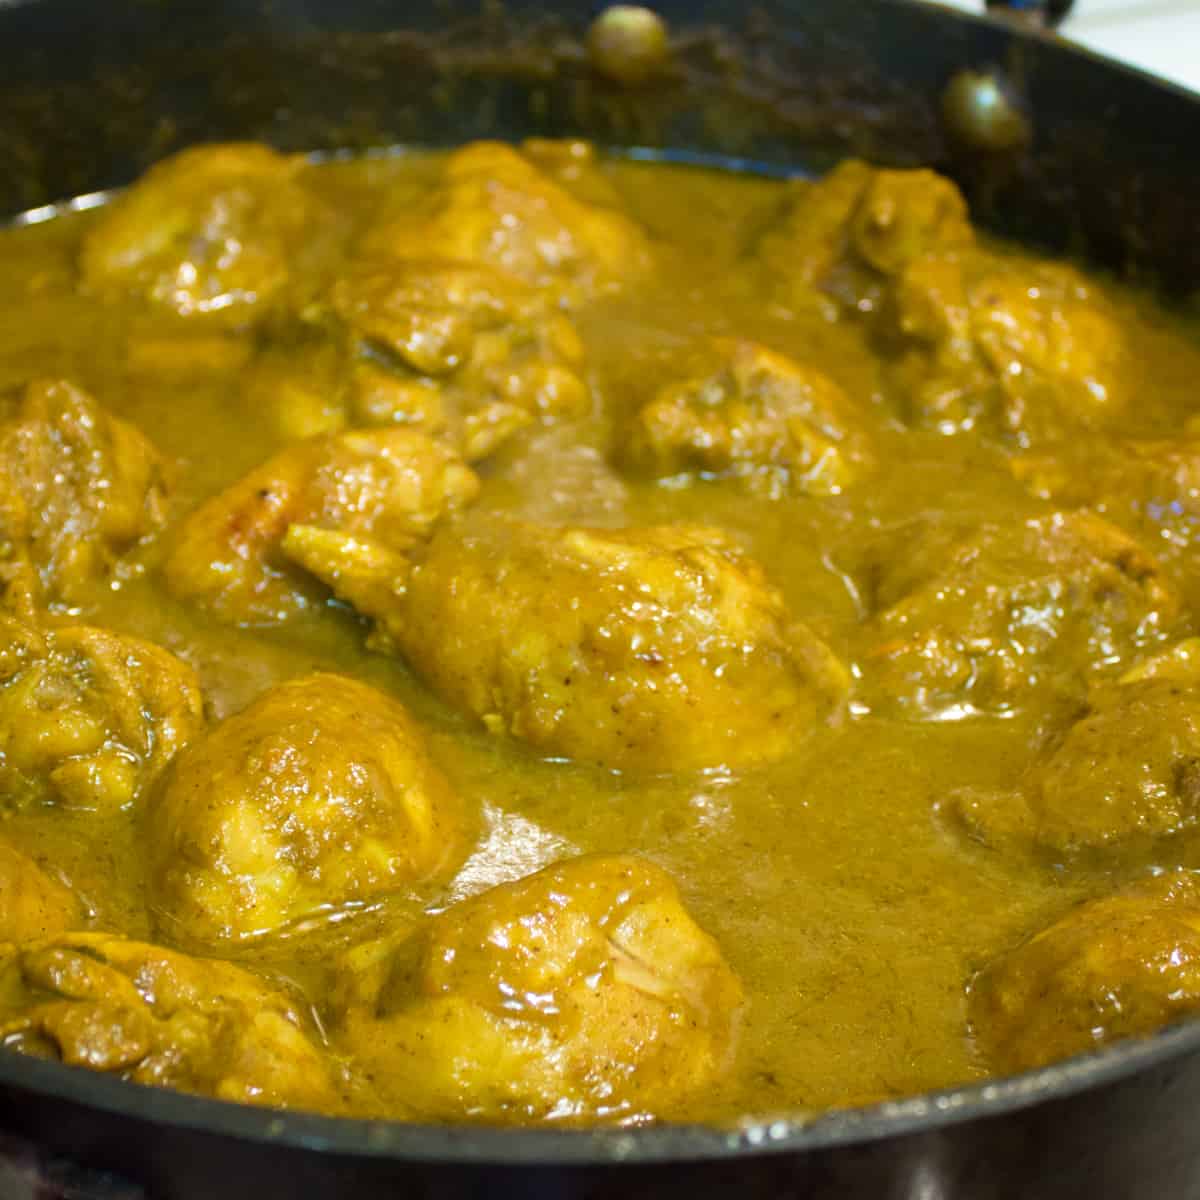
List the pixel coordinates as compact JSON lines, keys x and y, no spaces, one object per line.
{"x":582,"y":993}
{"x":980,"y":620}
{"x":79,"y":489}
{"x":89,"y":718}
{"x":319,"y":794}
{"x":390,"y":484}
{"x":1122,"y":966}
{"x":754,"y":415}
{"x":161,"y":1018}
{"x":210,"y":232}
{"x":661,"y":648}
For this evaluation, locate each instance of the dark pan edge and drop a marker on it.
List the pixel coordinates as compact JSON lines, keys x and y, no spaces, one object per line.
{"x":491,"y":1145}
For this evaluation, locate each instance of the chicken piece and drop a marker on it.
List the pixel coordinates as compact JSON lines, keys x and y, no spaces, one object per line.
{"x":493,"y":207}
{"x":489,"y":348}
{"x":211,"y":232}
{"x":389,"y":484}
{"x":157,"y":1017}
{"x":1024,"y":352}
{"x":1149,"y":486}
{"x":757,"y":416}
{"x":658,"y":649}
{"x":32,"y":903}
{"x":319,"y":794}
{"x":582,"y":993}
{"x":79,"y":490}
{"x":1122,"y":777}
{"x":89,"y":718}
{"x":849,"y":235}
{"x":977,"y":622}
{"x":1122,"y":966}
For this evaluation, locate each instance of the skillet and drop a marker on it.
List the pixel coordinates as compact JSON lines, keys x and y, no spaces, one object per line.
{"x":1103,"y":168}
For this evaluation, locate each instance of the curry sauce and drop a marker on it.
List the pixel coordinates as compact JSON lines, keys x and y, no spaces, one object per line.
{"x":911,"y":510}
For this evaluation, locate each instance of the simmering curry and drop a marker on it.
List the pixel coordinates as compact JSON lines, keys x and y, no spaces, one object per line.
{"x":512,"y":636}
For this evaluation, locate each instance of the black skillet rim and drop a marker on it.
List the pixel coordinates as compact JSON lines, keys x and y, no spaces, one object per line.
{"x":499,"y":1146}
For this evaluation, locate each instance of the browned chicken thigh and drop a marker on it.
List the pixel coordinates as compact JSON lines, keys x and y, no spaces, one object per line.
{"x":158,"y":1017}
{"x":495,"y":207}
{"x":79,"y":490}
{"x":89,"y":718}
{"x":756,"y":416}
{"x":1121,"y":966}
{"x":984,"y":620}
{"x":319,"y":794}
{"x":211,"y":233}
{"x":657,"y":649}
{"x":584,"y":992}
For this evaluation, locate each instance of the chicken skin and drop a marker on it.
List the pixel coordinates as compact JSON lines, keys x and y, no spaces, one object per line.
{"x":777,"y":427}
{"x":849,"y":235}
{"x":455,"y":348}
{"x":1026,"y":354}
{"x":1121,"y":966}
{"x":157,"y":1017}
{"x":656,"y":649}
{"x":981,"y":621}
{"x":319,"y":794}
{"x":1120,"y":779}
{"x":210,"y":233}
{"x":89,"y":718}
{"x":79,"y":491}
{"x":392,"y":484}
{"x":584,"y":992}
{"x":495,"y":207}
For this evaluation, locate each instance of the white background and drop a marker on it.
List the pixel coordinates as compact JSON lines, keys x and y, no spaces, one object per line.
{"x":1162,"y":36}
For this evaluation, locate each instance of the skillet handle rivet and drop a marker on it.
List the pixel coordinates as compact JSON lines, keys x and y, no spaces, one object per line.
{"x":628,"y":43}
{"x":980,"y":111}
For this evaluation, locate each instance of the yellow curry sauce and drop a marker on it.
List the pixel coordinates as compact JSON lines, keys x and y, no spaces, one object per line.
{"x":845,"y":872}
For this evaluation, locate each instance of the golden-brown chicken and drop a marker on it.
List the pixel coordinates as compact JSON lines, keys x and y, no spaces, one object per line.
{"x":751,"y":414}
{"x":89,"y":718}
{"x":79,"y":489}
{"x":1123,"y":776}
{"x":584,"y":992}
{"x":662,"y":648}
{"x":158,"y":1017}
{"x":458,"y":346}
{"x":388,"y":484}
{"x":33,"y":904}
{"x":494,"y":207}
{"x":1030,"y":353}
{"x":1150,"y":486}
{"x":981,"y":620}
{"x":319,"y":794}
{"x":1027,"y":352}
{"x":213,"y":231}
{"x":1121,"y":966}
{"x":851,"y":233}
